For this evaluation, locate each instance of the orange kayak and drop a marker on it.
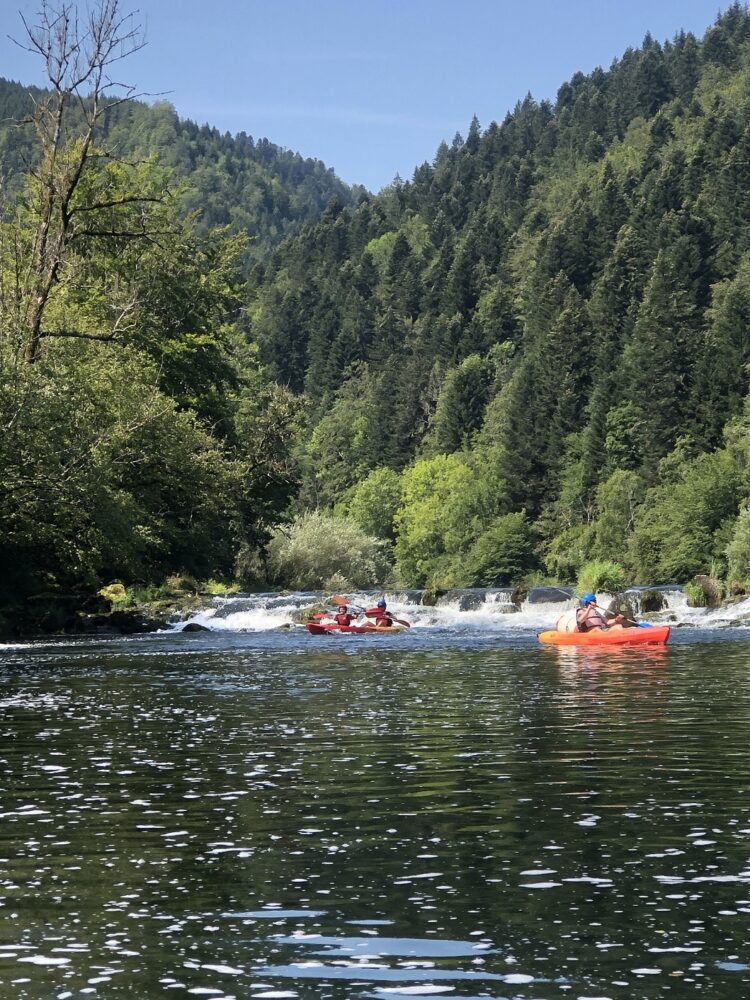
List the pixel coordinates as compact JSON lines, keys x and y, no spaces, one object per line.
{"x":657,"y":635}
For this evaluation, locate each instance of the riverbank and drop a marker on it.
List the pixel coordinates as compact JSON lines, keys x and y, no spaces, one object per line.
{"x":113,"y":610}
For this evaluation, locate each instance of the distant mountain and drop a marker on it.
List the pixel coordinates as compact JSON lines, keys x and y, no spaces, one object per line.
{"x":245,"y":183}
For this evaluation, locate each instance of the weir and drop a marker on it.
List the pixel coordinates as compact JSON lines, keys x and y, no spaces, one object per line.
{"x":470,"y":608}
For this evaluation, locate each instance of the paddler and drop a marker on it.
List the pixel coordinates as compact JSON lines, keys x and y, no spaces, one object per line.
{"x":383,"y":618}
{"x":343,"y":616}
{"x":590,"y":616}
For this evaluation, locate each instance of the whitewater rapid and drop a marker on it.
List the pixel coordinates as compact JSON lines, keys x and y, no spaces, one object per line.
{"x":474,"y":609}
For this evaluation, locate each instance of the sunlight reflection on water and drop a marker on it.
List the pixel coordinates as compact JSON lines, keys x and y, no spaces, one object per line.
{"x":235,"y":820}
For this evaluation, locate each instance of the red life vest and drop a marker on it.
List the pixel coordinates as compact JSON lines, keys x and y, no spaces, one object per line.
{"x":343,"y":618}
{"x":381,"y":616}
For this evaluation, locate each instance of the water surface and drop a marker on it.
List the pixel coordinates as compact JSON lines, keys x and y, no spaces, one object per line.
{"x":443,"y":813}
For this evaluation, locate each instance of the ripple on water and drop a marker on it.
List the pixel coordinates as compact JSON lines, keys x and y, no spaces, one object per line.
{"x":380,"y":822}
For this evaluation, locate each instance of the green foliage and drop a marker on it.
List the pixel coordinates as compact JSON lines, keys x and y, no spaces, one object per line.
{"x":460,"y":406}
{"x":683,"y":527}
{"x":219,"y":588}
{"x":117,"y":596}
{"x":738,"y":550}
{"x":662,"y":353}
{"x":695,"y":595}
{"x":567,"y":551}
{"x":164,"y":450}
{"x":600,"y":575}
{"x":502,"y":554}
{"x":342,"y":449}
{"x":445,"y":505}
{"x":617,"y":500}
{"x":116,"y":480}
{"x":373,"y":503}
{"x":320,"y":552}
{"x":722,"y":376}
{"x":176,"y":588}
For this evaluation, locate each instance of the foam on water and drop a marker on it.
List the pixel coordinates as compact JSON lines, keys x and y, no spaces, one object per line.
{"x":258,"y":619}
{"x":471,"y":609}
{"x":708,"y":617}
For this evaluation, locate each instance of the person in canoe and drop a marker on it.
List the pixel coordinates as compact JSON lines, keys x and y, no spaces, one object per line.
{"x":590,"y":616}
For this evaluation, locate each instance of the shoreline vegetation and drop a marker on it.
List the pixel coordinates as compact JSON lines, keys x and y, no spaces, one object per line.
{"x":528,"y":363}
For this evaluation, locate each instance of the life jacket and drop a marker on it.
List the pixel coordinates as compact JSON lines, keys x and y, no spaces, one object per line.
{"x":381,"y":616}
{"x":343,"y":618}
{"x":588,"y":618}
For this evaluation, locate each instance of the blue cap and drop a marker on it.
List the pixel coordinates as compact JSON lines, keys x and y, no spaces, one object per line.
{"x":588,"y":599}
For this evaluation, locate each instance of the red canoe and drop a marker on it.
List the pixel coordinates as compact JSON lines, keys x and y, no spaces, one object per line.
{"x":657,"y":635}
{"x":315,"y":628}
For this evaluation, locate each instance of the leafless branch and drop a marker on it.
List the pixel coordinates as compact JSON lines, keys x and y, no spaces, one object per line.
{"x":79,"y":48}
{"x":129,"y":200}
{"x":147,"y":235}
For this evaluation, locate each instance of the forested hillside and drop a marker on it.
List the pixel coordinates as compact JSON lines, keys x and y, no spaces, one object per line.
{"x":534,"y":353}
{"x":250,"y":185}
{"x":530,"y":358}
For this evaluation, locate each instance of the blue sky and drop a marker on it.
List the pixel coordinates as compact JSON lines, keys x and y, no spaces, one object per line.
{"x":369,"y":86}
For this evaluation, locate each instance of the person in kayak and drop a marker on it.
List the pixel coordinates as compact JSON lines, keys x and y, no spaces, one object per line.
{"x":343,"y":616}
{"x":382,"y":617}
{"x":589,"y":616}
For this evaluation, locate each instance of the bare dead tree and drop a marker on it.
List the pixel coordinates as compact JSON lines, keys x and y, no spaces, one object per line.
{"x":79,"y":52}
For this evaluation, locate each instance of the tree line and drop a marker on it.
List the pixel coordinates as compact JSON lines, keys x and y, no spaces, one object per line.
{"x":533,"y":353}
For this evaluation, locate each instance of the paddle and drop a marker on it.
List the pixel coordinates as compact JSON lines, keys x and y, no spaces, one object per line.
{"x":626,"y":623}
{"x":338,"y":599}
{"x":342,"y":602}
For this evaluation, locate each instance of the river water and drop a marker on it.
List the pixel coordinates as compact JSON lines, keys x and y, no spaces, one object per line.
{"x":453,"y":811}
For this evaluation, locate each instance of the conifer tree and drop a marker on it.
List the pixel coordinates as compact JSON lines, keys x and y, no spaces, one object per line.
{"x":662,"y":354}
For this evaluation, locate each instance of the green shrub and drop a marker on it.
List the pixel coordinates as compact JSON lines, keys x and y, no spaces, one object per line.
{"x":684,"y":526}
{"x":616,"y":500}
{"x":568,"y":551}
{"x":250,"y":567}
{"x":321,"y":552}
{"x":117,"y":596}
{"x":600,"y":575}
{"x":218,"y":589}
{"x":501,"y":554}
{"x":695,"y":594}
{"x":178,"y":583}
{"x":445,"y":504}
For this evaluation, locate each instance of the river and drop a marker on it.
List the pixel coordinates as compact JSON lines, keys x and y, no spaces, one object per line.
{"x":453,"y":811}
